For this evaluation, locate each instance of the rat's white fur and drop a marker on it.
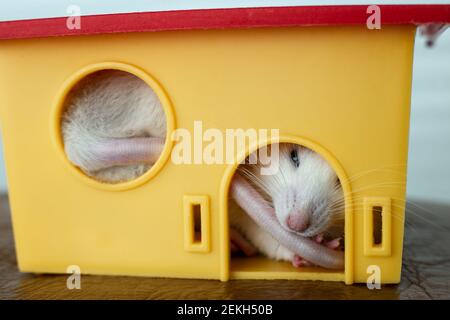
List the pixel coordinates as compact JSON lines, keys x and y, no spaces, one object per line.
{"x":104,"y":105}
{"x":311,"y":188}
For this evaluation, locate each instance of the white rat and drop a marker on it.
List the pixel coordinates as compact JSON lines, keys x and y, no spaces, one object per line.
{"x":106,"y":113}
{"x":114,"y":128}
{"x":307,"y":199}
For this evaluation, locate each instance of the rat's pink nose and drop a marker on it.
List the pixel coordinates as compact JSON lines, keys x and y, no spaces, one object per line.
{"x":298,"y":221}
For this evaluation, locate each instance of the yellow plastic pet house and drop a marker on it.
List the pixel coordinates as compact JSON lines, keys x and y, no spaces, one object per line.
{"x":319,"y":74}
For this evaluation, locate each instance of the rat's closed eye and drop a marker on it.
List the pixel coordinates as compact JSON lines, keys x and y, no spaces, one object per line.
{"x":294,"y":158}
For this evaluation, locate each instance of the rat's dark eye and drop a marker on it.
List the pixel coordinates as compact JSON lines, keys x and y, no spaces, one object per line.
{"x":294,"y":157}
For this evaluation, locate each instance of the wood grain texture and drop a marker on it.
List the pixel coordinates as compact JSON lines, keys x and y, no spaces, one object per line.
{"x":426,"y":273}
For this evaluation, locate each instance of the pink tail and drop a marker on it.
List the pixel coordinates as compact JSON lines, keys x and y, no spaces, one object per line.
{"x":127,"y":151}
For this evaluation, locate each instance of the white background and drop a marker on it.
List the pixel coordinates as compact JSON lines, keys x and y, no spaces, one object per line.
{"x":429,"y":156}
{"x":28,"y":9}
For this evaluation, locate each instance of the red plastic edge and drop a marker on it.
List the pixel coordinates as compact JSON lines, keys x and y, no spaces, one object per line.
{"x":225,"y":18}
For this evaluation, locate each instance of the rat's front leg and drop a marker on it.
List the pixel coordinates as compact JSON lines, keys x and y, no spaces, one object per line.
{"x":239,"y":244}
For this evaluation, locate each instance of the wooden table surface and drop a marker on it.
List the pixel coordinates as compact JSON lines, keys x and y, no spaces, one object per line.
{"x":426,"y":273}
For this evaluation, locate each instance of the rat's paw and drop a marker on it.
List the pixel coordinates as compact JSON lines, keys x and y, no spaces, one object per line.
{"x":334,"y":244}
{"x":299,"y":262}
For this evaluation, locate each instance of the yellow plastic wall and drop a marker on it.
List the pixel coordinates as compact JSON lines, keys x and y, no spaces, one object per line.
{"x":344,"y":91}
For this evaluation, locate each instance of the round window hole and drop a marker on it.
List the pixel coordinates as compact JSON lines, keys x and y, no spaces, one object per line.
{"x":113,"y":126}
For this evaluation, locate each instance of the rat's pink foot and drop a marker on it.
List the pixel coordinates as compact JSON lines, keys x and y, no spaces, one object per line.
{"x":333,"y":244}
{"x":239,"y":244}
{"x":299,"y":262}
{"x":318,"y":238}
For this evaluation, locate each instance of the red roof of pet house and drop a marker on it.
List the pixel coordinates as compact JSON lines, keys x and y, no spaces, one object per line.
{"x":217,"y":18}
